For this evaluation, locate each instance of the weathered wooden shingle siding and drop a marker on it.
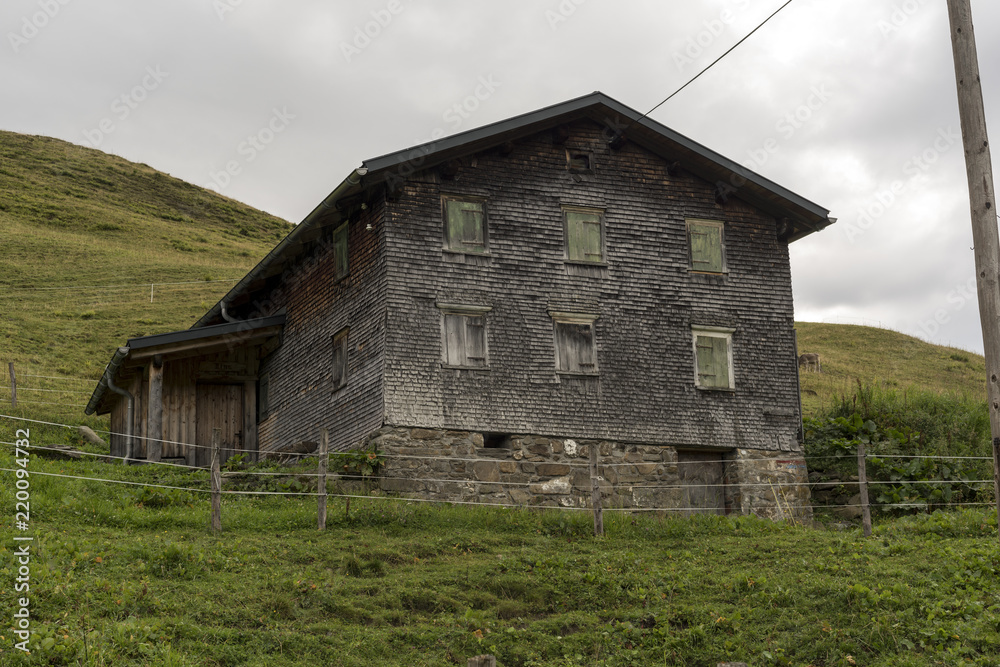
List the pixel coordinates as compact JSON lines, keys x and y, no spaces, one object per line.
{"x":302,"y":398}
{"x":646,"y":300}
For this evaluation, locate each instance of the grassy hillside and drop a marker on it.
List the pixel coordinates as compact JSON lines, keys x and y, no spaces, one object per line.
{"x":851,"y":353}
{"x":84,"y":234}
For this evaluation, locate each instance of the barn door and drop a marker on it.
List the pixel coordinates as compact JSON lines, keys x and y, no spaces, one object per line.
{"x":702,"y":475}
{"x":219,"y":406}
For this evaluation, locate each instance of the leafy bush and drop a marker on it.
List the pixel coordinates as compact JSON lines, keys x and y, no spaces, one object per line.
{"x":357,"y":463}
{"x":896,"y":427}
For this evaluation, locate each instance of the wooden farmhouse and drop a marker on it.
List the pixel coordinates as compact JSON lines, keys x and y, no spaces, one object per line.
{"x":488,"y":307}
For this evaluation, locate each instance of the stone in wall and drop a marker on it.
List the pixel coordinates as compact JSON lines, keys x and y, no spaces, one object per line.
{"x":538,"y":471}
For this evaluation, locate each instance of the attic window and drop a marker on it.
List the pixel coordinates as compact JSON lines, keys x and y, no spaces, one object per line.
{"x":464,"y":225}
{"x":584,"y":234}
{"x":707,"y":246}
{"x":579,"y":161}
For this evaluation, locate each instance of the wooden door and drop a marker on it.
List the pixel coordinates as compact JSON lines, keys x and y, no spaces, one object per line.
{"x":219,"y":406}
{"x":702,"y":475}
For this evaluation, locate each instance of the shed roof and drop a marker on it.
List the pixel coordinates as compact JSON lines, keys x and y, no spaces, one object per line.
{"x":166,"y":342}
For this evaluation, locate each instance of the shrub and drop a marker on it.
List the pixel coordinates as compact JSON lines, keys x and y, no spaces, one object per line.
{"x":899,"y":429}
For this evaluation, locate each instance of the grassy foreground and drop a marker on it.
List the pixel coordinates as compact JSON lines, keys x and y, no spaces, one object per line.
{"x":123,"y":575}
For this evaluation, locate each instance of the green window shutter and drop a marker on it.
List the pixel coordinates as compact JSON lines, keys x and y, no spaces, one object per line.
{"x":706,"y":364}
{"x":465,"y":225}
{"x":583,"y":236}
{"x":713,"y":361}
{"x":706,"y":247}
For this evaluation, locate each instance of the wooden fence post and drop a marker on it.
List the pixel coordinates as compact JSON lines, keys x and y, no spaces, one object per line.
{"x":866,"y":511}
{"x":13,"y":385}
{"x":595,"y":491}
{"x":216,"y":482}
{"x":324,"y":444}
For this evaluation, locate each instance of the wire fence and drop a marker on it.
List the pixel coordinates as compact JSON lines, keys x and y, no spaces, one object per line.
{"x":238,"y":475}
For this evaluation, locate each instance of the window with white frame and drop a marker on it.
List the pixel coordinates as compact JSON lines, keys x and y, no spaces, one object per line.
{"x":576,"y":346}
{"x":713,"y":354}
{"x":463,"y":336}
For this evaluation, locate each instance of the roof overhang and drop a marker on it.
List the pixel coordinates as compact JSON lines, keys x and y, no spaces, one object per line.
{"x":204,"y":340}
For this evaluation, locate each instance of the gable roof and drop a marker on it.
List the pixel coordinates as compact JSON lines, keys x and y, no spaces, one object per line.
{"x":802,"y":216}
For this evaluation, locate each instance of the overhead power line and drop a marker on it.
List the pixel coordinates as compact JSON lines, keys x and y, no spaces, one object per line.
{"x":709,"y":66}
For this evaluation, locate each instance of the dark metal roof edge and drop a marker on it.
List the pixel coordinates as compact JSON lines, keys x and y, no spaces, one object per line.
{"x":396,"y":158}
{"x":142,"y":342}
{"x":352,"y":180}
{"x":102,"y":386}
{"x":204,"y":332}
{"x":422,"y":151}
{"x":722,"y":160}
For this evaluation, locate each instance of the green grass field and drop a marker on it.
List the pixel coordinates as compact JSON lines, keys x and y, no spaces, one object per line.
{"x":83,"y":235}
{"x":125,"y":574}
{"x":131,"y":575}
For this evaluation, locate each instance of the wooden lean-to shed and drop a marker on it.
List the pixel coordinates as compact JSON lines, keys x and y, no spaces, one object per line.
{"x":167,"y":393}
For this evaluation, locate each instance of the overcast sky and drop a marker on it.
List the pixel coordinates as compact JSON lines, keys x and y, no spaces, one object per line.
{"x":849,"y":103}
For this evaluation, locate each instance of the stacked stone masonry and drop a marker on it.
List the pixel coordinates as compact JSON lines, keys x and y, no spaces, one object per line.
{"x":536,"y":471}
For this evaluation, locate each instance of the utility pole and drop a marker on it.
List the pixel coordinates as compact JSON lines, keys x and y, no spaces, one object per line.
{"x":984,"y":212}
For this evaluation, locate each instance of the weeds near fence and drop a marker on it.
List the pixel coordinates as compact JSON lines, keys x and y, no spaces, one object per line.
{"x":925,"y":449}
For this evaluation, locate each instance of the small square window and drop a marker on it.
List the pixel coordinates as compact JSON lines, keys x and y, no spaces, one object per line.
{"x":713,"y":354}
{"x":579,"y":161}
{"x":576,"y":350}
{"x":339,"y":366}
{"x":340,"y":266}
{"x":584,"y":234}
{"x":465,"y":225}
{"x":463,"y":336}
{"x":707,"y":247}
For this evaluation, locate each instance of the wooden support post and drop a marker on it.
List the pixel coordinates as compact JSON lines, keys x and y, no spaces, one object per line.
{"x":154,"y":413}
{"x":798,"y":386}
{"x":482,"y":661}
{"x":866,"y":510}
{"x":13,"y":385}
{"x":985,"y":238}
{"x":216,"y":481}
{"x":324,"y":444}
{"x":595,"y":491}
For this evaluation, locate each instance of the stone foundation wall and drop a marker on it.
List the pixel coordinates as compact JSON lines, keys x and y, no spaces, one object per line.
{"x":536,"y":471}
